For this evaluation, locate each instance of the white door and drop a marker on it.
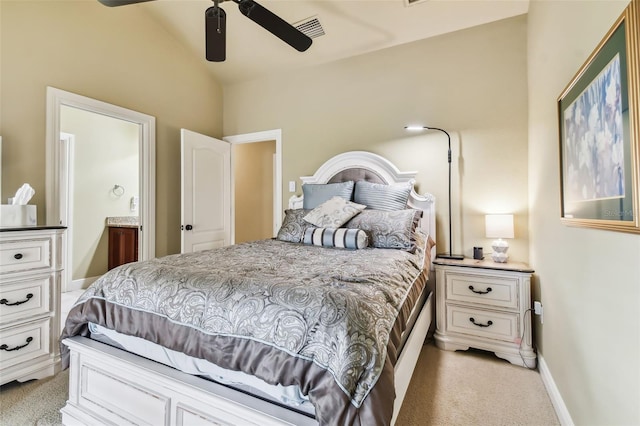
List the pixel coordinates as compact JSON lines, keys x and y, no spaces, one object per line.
{"x":206,"y":192}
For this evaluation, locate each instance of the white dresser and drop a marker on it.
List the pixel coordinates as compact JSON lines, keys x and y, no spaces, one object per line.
{"x":485,"y":305}
{"x":30,"y":279}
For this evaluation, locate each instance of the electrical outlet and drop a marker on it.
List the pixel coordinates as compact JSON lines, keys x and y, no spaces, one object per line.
{"x":292,"y":186}
{"x":537,"y":309}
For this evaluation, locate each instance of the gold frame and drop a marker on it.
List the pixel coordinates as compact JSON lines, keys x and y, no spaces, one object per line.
{"x":595,"y":213}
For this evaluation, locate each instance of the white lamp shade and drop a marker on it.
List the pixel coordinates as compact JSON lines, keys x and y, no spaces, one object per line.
{"x":499,"y":225}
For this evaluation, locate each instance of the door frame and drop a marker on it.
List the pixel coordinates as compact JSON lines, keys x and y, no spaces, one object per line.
{"x":67,"y":157}
{"x":263,"y":136}
{"x":56,"y":209}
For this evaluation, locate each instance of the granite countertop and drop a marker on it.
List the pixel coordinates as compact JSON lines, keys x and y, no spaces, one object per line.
{"x":123,"y":221}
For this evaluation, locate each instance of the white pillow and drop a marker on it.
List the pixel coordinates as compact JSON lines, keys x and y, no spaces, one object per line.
{"x":333,"y":213}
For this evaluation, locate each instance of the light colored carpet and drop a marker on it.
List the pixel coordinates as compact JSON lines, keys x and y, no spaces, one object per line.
{"x":35,"y":402}
{"x":447,"y":388}
{"x":474,"y":388}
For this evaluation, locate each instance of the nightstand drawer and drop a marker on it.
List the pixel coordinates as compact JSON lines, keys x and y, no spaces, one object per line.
{"x":25,"y":342}
{"x":24,"y":298}
{"x":493,"y":325}
{"x":491,"y":291}
{"x":25,"y":255}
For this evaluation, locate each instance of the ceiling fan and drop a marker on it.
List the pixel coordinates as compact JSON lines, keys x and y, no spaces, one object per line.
{"x":216,"y":26}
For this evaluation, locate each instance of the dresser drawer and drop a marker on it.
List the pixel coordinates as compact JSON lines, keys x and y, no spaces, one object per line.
{"x":25,"y":255}
{"x":492,"y":291}
{"x":24,"y":342}
{"x":490,"y":324}
{"x":23,"y":298}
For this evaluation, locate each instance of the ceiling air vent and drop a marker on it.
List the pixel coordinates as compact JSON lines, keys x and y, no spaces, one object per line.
{"x":310,"y":27}
{"x":412,"y":2}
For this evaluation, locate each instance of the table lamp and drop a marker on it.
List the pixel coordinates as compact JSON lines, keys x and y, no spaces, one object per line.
{"x":499,"y":226}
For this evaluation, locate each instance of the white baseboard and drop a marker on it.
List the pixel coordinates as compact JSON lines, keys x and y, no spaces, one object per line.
{"x":82,"y":283}
{"x":554,"y":394}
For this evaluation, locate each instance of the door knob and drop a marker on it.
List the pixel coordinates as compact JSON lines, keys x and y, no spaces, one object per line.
{"x":189,"y":227}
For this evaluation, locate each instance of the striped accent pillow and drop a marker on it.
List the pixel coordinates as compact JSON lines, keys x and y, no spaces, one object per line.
{"x":379,"y":196}
{"x":340,"y":237}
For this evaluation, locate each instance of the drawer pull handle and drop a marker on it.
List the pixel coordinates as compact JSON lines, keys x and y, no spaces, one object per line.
{"x":6,"y":348}
{"x":488,"y":290}
{"x":489,"y":323}
{"x":17,"y":256}
{"x":20,"y":302}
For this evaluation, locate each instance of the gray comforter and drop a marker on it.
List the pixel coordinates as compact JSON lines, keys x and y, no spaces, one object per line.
{"x":328,"y":320}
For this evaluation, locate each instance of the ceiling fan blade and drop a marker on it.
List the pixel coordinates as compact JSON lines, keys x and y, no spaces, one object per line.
{"x":274,"y":24}
{"x":112,"y":3}
{"x":215,"y":34}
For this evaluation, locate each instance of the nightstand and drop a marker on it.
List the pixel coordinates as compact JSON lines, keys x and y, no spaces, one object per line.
{"x":31,"y":268}
{"x":485,"y":305}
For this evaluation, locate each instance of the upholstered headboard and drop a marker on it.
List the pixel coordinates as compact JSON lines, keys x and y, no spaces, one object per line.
{"x":363,"y":165}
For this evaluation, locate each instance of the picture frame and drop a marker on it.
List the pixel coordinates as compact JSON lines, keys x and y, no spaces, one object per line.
{"x":599,"y":124}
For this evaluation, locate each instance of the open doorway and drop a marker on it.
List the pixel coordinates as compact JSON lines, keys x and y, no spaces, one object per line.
{"x":266,"y":149}
{"x":58,"y":156}
{"x":254,"y":186}
{"x":103,"y":181}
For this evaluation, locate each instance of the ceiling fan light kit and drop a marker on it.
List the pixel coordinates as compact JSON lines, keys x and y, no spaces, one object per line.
{"x":216,"y":34}
{"x":216,"y":26}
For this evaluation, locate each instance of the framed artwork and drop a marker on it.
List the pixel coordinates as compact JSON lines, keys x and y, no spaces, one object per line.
{"x":599,"y":119}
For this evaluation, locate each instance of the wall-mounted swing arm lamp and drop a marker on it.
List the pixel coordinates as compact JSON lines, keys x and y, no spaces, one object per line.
{"x":449,"y":254}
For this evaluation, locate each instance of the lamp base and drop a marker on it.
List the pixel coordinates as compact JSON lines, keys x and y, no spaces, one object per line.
{"x":450,"y":256}
{"x":500,"y":248}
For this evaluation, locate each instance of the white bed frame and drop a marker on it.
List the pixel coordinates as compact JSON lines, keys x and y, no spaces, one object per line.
{"x":111,"y":386}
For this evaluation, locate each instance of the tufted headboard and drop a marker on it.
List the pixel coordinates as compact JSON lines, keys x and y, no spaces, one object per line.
{"x":363,"y":165}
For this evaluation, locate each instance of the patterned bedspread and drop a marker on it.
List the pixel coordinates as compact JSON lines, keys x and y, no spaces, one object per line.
{"x":325,"y":319}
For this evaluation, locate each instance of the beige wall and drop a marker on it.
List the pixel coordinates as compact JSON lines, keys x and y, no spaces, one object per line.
{"x":116,"y":55}
{"x":472,"y":83}
{"x":105,"y":154}
{"x":253,"y":190}
{"x":588,"y":280}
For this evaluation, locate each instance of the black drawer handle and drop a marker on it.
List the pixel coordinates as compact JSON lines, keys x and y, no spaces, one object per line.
{"x":20,"y":302}
{"x":6,"y":348}
{"x":489,"y":323}
{"x":17,"y":256}
{"x":480,"y":291}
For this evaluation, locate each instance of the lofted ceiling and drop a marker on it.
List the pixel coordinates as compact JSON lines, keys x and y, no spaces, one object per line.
{"x":352,"y":27}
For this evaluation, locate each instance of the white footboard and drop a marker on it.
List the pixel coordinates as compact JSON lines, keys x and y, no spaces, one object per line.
{"x":110,"y":386}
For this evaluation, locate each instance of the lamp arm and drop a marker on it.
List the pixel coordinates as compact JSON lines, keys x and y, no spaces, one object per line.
{"x":412,"y":127}
{"x":449,"y":161}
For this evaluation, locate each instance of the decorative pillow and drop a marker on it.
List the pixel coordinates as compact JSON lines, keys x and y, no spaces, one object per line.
{"x":316,"y":194}
{"x":293,"y":226}
{"x":379,"y":196}
{"x":333,"y":213}
{"x":424,"y":243}
{"x":389,"y":229}
{"x":341,"y":237}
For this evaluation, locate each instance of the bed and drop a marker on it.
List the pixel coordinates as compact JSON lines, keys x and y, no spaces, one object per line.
{"x":321,"y":325}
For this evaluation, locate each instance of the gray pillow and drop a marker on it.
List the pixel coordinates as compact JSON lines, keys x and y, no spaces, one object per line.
{"x":293,"y":226}
{"x":379,"y":196}
{"x":316,"y":194}
{"x":388,"y":229}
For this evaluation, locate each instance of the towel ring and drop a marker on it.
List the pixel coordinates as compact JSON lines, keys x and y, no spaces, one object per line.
{"x":118,"y":190}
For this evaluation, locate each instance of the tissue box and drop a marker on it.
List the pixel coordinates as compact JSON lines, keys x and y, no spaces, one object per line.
{"x":12,"y":215}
